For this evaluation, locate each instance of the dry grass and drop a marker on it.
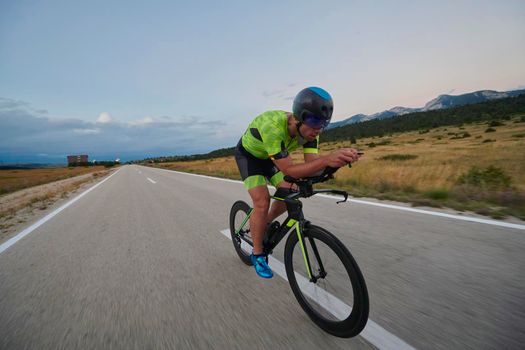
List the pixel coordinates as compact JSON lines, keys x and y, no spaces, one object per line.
{"x":439,"y":163}
{"x":14,"y":180}
{"x":21,"y":206}
{"x":223,"y":167}
{"x":442,"y":155}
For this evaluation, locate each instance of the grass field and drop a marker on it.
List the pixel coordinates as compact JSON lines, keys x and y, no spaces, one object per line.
{"x":423,"y":167}
{"x":14,"y":180}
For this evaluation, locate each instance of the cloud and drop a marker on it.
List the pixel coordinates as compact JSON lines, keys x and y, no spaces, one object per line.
{"x":143,"y":121}
{"x":25,"y":133}
{"x":17,"y":106}
{"x":104,"y":118}
{"x":283,"y":94}
{"x":272,"y":93}
{"x":86,"y":131}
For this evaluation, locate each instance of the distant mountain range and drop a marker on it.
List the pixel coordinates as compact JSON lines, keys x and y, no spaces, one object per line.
{"x":440,"y":102}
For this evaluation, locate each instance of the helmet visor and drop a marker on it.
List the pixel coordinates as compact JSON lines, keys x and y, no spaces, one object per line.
{"x":315,"y":121}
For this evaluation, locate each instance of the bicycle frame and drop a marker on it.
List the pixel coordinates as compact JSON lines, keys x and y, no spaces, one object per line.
{"x":294,"y":221}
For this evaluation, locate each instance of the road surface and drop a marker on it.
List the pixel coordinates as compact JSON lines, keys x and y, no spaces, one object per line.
{"x":140,"y":262}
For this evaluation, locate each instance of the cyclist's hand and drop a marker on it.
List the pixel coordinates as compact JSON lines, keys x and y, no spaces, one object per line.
{"x":341,"y":157}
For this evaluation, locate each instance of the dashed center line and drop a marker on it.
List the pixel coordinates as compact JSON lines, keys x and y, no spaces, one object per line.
{"x":150,"y":180}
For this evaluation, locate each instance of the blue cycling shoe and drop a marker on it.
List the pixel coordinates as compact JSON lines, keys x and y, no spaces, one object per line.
{"x":261,"y":266}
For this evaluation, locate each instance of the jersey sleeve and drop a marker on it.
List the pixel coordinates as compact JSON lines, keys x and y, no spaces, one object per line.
{"x":311,"y":146}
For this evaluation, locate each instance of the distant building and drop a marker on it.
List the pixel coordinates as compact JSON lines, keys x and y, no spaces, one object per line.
{"x":83,"y":158}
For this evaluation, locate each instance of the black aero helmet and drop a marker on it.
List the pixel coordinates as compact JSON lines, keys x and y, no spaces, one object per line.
{"x":313,"y":106}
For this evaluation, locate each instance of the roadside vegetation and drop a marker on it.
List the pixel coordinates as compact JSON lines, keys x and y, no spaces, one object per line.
{"x":458,"y":165}
{"x":17,"y":179}
{"x":464,"y":174}
{"x":20,"y":206}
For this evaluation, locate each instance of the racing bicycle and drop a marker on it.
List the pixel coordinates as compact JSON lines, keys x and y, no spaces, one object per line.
{"x":322,"y":273}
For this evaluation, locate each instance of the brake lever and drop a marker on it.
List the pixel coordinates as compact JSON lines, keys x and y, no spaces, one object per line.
{"x":344,"y":194}
{"x":360,"y":153}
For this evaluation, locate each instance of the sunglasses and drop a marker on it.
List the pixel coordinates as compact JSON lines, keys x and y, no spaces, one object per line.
{"x":315,"y":121}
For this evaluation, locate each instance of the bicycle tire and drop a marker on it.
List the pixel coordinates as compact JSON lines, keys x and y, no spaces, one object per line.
{"x":238,"y":208}
{"x":358,"y":316}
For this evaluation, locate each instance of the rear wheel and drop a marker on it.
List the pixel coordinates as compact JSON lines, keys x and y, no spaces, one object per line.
{"x":336,"y":298}
{"x":241,"y":237}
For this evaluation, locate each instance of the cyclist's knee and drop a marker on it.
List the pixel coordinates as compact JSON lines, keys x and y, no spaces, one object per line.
{"x":260,"y":197}
{"x":262,"y":203}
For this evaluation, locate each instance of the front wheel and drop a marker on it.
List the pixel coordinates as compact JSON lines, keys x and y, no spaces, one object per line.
{"x":335,"y":296}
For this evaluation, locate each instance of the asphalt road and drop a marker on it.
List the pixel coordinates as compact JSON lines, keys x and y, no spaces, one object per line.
{"x":140,"y":263}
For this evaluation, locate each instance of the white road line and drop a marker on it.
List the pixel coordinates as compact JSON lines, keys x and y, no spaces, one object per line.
{"x":428,"y":212}
{"x":198,"y":175}
{"x":150,"y":180}
{"x":373,"y":333}
{"x":389,"y":206}
{"x":49,"y":216}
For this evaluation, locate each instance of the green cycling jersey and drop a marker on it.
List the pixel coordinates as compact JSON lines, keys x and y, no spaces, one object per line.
{"x":267,"y":137}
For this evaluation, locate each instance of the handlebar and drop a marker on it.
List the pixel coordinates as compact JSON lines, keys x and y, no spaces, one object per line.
{"x":306,"y":184}
{"x":327,"y":174}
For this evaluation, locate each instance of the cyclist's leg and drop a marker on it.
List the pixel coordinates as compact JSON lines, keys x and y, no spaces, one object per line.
{"x":278,"y":207}
{"x":253,"y":172}
{"x":261,"y":203}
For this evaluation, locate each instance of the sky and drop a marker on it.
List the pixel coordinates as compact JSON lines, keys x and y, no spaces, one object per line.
{"x":136,"y":79}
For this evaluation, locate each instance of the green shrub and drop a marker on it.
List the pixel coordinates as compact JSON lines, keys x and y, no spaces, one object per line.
{"x":415,"y":141}
{"x":488,"y":140}
{"x":490,"y":130}
{"x":495,"y":123}
{"x":398,"y":157}
{"x":438,"y":194}
{"x":491,"y":177}
{"x":383,"y":143}
{"x":519,"y":136}
{"x":423,"y":131}
{"x":465,"y":135}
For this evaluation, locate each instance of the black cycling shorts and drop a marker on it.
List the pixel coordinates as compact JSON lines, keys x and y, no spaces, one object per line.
{"x":255,"y":171}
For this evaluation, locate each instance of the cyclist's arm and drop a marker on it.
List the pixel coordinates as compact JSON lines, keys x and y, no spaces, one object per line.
{"x":297,"y":171}
{"x":336,"y":159}
{"x":308,"y":157}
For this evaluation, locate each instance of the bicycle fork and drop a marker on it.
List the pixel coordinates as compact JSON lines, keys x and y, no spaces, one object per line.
{"x":299,"y":228}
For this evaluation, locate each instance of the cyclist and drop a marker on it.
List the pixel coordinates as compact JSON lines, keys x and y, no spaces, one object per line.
{"x":263,"y":153}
